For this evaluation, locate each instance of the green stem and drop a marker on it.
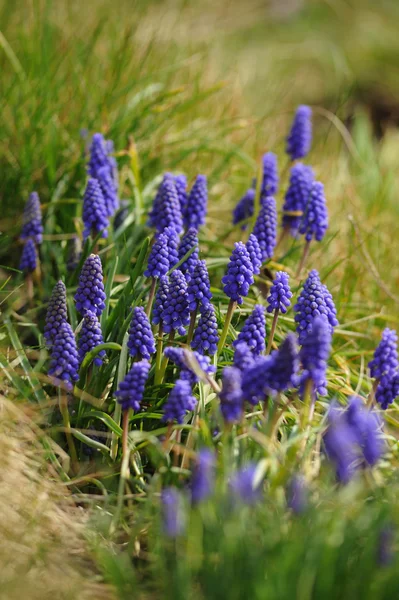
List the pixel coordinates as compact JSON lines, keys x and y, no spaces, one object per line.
{"x":63,"y":402}
{"x":118,"y":408}
{"x":272,"y":331}
{"x":229,"y":315}
{"x":165,"y":361}
{"x":192,"y":325}
{"x":158,"y":360}
{"x":303,"y":259}
{"x":125,"y":433}
{"x":371,"y":397}
{"x":151,"y":297}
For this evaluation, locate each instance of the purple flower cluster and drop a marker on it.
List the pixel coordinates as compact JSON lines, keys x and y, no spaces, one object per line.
{"x":270,"y":175}
{"x":206,"y":336}
{"x":265,"y":228}
{"x":32,"y":227}
{"x":297,"y":197}
{"x":388,"y":390}
{"x":90,"y":337}
{"x":131,"y":390}
{"x":141,"y":340}
{"x":179,"y":401}
{"x":199,"y":291}
{"x":244,"y":485}
{"x":239,"y":276}
{"x":300,"y":137}
{"x":189,"y":241}
{"x":203,"y":476}
{"x":107,"y":186}
{"x":243,"y":358}
{"x":90,"y":294}
{"x":176,"y":313}
{"x":255,"y":253}
{"x":182,"y":359}
{"x":314,"y":301}
{"x":314,"y":222}
{"x":181,"y":188}
{"x":254,"y":331}
{"x":160,"y":299}
{"x":385,"y":360}
{"x":244,"y":208}
{"x":56,"y":312}
{"x":28,"y":262}
{"x":159,"y":259}
{"x":196,"y":207}
{"x":64,"y":361}
{"x":173,"y":518}
{"x":314,"y":354}
{"x":231,"y":399}
{"x":280,"y":293}
{"x":95,"y":217}
{"x":167,"y":206}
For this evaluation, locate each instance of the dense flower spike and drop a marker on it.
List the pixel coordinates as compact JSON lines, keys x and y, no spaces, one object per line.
{"x":28,"y":262}
{"x":141,"y":340}
{"x":196,"y":208}
{"x":176,"y":313}
{"x":270,"y":175}
{"x":182,"y":360}
{"x":244,"y":208}
{"x":315,"y":352}
{"x":255,"y":253}
{"x":153,"y":214}
{"x":112,"y":163}
{"x":239,"y":276}
{"x":167,"y":206}
{"x":90,"y":337}
{"x":56,"y":312}
{"x":311,"y":304}
{"x":254,"y":331}
{"x":94,"y":214}
{"x":265,"y":228}
{"x":203,"y":477}
{"x":297,"y":197}
{"x":231,"y":399}
{"x":245,"y":486}
{"x":189,"y":240}
{"x":387,"y":390}
{"x":243,"y":357}
{"x":385,"y":360}
{"x":160,"y":299}
{"x":74,"y":253}
{"x":198,"y":291}
{"x":173,"y":245}
{"x":300,"y":137}
{"x":98,"y":155}
{"x":367,"y":426}
{"x":173,"y":520}
{"x":131,"y":390}
{"x":206,"y":336}
{"x":159,"y":259}
{"x":280,"y":293}
{"x":64,"y":358}
{"x":90,"y":294}
{"x":340,"y":442}
{"x":32,"y":227}
{"x":331,"y":310}
{"x":179,"y":401}
{"x":109,"y":192}
{"x":314,"y":222}
{"x":181,"y":188}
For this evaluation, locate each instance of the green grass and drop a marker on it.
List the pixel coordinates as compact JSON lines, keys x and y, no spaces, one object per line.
{"x":192,"y":89}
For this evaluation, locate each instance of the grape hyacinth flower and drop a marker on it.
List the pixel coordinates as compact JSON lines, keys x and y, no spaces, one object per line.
{"x":254,"y":331}
{"x":64,"y":361}
{"x":107,"y":186}
{"x":198,"y":291}
{"x":189,"y":241}
{"x":245,"y":486}
{"x":231,"y":399}
{"x":314,"y":354}
{"x":314,"y":223}
{"x":244,"y":208}
{"x":131,"y":390}
{"x":385,"y":360}
{"x":239,"y":275}
{"x":32,"y":227}
{"x":28,"y":262}
{"x":297,"y":197}
{"x":300,"y":137}
{"x":243,"y":358}
{"x":74,"y":253}
{"x":181,"y":188}
{"x":387,"y":390}
{"x":279,"y":300}
{"x":98,"y":155}
{"x":141,"y":341}
{"x":94,"y":214}
{"x":331,"y":310}
{"x":179,"y":401}
{"x":196,"y":207}
{"x":176,"y":314}
{"x":203,"y":477}
{"x":311,"y":304}
{"x":270,"y":175}
{"x":159,"y":259}
{"x":173,"y":519}
{"x":173,"y":245}
{"x":56,"y":313}
{"x":90,"y":294}
{"x":160,"y":299}
{"x":90,"y":337}
{"x":182,"y":359}
{"x":206,"y":334}
{"x":297,"y":494}
{"x":168,"y":206}
{"x":255,"y":253}
{"x":265,"y":228}
{"x":367,"y":426}
{"x":340,"y":443}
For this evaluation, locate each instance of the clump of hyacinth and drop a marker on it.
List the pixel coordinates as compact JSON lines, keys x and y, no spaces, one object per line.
{"x":179,"y":401}
{"x":244,"y":208}
{"x":387,"y":390}
{"x":314,"y":354}
{"x":189,"y":241}
{"x":231,"y":399}
{"x":203,"y":476}
{"x":74,"y":253}
{"x":280,"y":294}
{"x":98,"y":155}
{"x":181,"y":188}
{"x":254,"y":331}
{"x":183,"y":361}
{"x":107,"y":185}
{"x":239,"y":275}
{"x":159,"y":259}
{"x":173,"y":245}
{"x":244,"y":485}
{"x":314,"y":222}
{"x":265,"y":228}
{"x":197,"y":202}
{"x":243,"y":357}
{"x":90,"y":294}
{"x":141,"y":340}
{"x":269,"y":185}
{"x":28,"y":262}
{"x":299,"y":139}
{"x":206,"y":336}
{"x":94,"y":214}
{"x":32,"y":227}
{"x":311,"y":304}
{"x":64,"y":361}
{"x":199,"y":290}
{"x":168,"y":206}
{"x":56,"y":314}
{"x":385,"y":360}
{"x":160,"y":299}
{"x":173,"y":516}
{"x":131,"y":390}
{"x":176,"y":314}
{"x":297,"y":197}
{"x":255,"y":253}
{"x":90,"y":337}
